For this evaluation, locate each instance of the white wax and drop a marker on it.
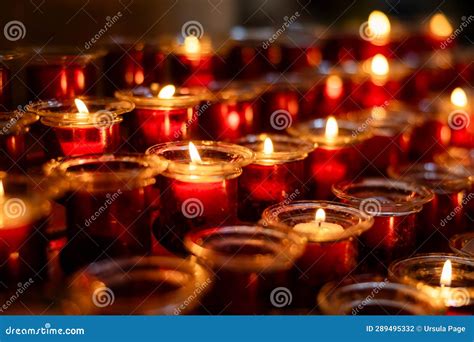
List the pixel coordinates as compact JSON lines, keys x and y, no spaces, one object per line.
{"x":320,"y":230}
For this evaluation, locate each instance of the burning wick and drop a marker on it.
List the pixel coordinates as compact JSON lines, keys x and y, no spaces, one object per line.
{"x":194,"y":154}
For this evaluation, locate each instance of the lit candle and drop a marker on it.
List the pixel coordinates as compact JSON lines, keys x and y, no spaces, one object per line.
{"x":319,"y":228}
{"x":277,"y":173}
{"x":199,"y":188}
{"x":72,"y":130}
{"x":439,"y":29}
{"x":379,"y":27}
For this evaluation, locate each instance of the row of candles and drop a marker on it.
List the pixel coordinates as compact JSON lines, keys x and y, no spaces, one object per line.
{"x":300,"y":211}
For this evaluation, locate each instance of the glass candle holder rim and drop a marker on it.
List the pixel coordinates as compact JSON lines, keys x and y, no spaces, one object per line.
{"x":305,"y":130}
{"x":16,"y":121}
{"x":399,"y":270}
{"x":365,"y":221}
{"x":172,"y":44}
{"x":455,"y":155}
{"x":414,"y":205}
{"x":456,"y":243}
{"x":6,"y":56}
{"x":455,"y":180}
{"x":196,"y":172}
{"x":151,"y":100}
{"x":291,"y":81}
{"x":113,"y":109}
{"x":146,"y":168}
{"x":291,"y":246}
{"x":32,"y":204}
{"x":105,"y":272}
{"x":221,"y":91}
{"x":330,"y":303}
{"x":300,"y":151}
{"x":61,"y":55}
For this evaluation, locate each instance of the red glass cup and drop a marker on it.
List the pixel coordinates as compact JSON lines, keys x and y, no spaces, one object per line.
{"x":424,"y":273}
{"x":157,"y":120}
{"x":109,"y":205}
{"x":197,"y":194}
{"x":250,"y":264}
{"x":61,"y":73}
{"x":24,"y":213}
{"x":5,"y":79}
{"x":444,"y":216}
{"x":233,"y":111}
{"x":365,"y":295}
{"x":463,"y":244}
{"x":137,"y":286}
{"x":67,"y":132}
{"x":392,"y":128}
{"x":272,"y":177}
{"x":395,"y":206}
{"x":329,"y":254}
{"x":333,"y":160}
{"x":14,"y":139}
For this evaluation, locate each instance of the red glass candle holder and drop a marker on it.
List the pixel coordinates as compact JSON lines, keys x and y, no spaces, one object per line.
{"x":249,"y":263}
{"x":392,"y":128}
{"x":5,"y":79}
{"x":108,"y":206}
{"x":186,"y":62}
{"x":232,"y":111}
{"x":395,"y":206}
{"x":376,"y":296}
{"x":333,"y":160}
{"x":137,"y":286}
{"x":197,"y":195}
{"x":329,"y":255}
{"x":124,"y":65}
{"x":61,"y":73}
{"x":424,"y":273}
{"x":272,"y":177}
{"x":156,"y":120}
{"x":24,"y":213}
{"x":463,"y":244}
{"x":14,"y":139}
{"x":67,"y":132}
{"x":444,"y":216}
{"x":286,"y":100}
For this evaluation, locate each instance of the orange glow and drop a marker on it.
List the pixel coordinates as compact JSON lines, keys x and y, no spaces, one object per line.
{"x":167,"y":92}
{"x":379,"y":25}
{"x":192,"y":45}
{"x":334,"y":87}
{"x":268,"y":146}
{"x":332,"y":129}
{"x":63,"y":81}
{"x":440,"y":26}
{"x":459,"y":97}
{"x":379,"y":65}
{"x":446,"y":274}
{"x":233,"y":120}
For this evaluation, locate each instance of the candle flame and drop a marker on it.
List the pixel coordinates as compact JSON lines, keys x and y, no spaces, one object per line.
{"x":332,"y":129}
{"x":167,"y":92}
{"x":379,"y":65}
{"x":334,"y":87}
{"x":192,"y":44}
{"x":320,"y":215}
{"x":440,"y":25}
{"x":81,"y":106}
{"x":268,"y":146}
{"x":2,"y":190}
{"x":379,"y":24}
{"x":459,"y":97}
{"x":446,"y":274}
{"x":194,"y":154}
{"x":379,"y":113}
